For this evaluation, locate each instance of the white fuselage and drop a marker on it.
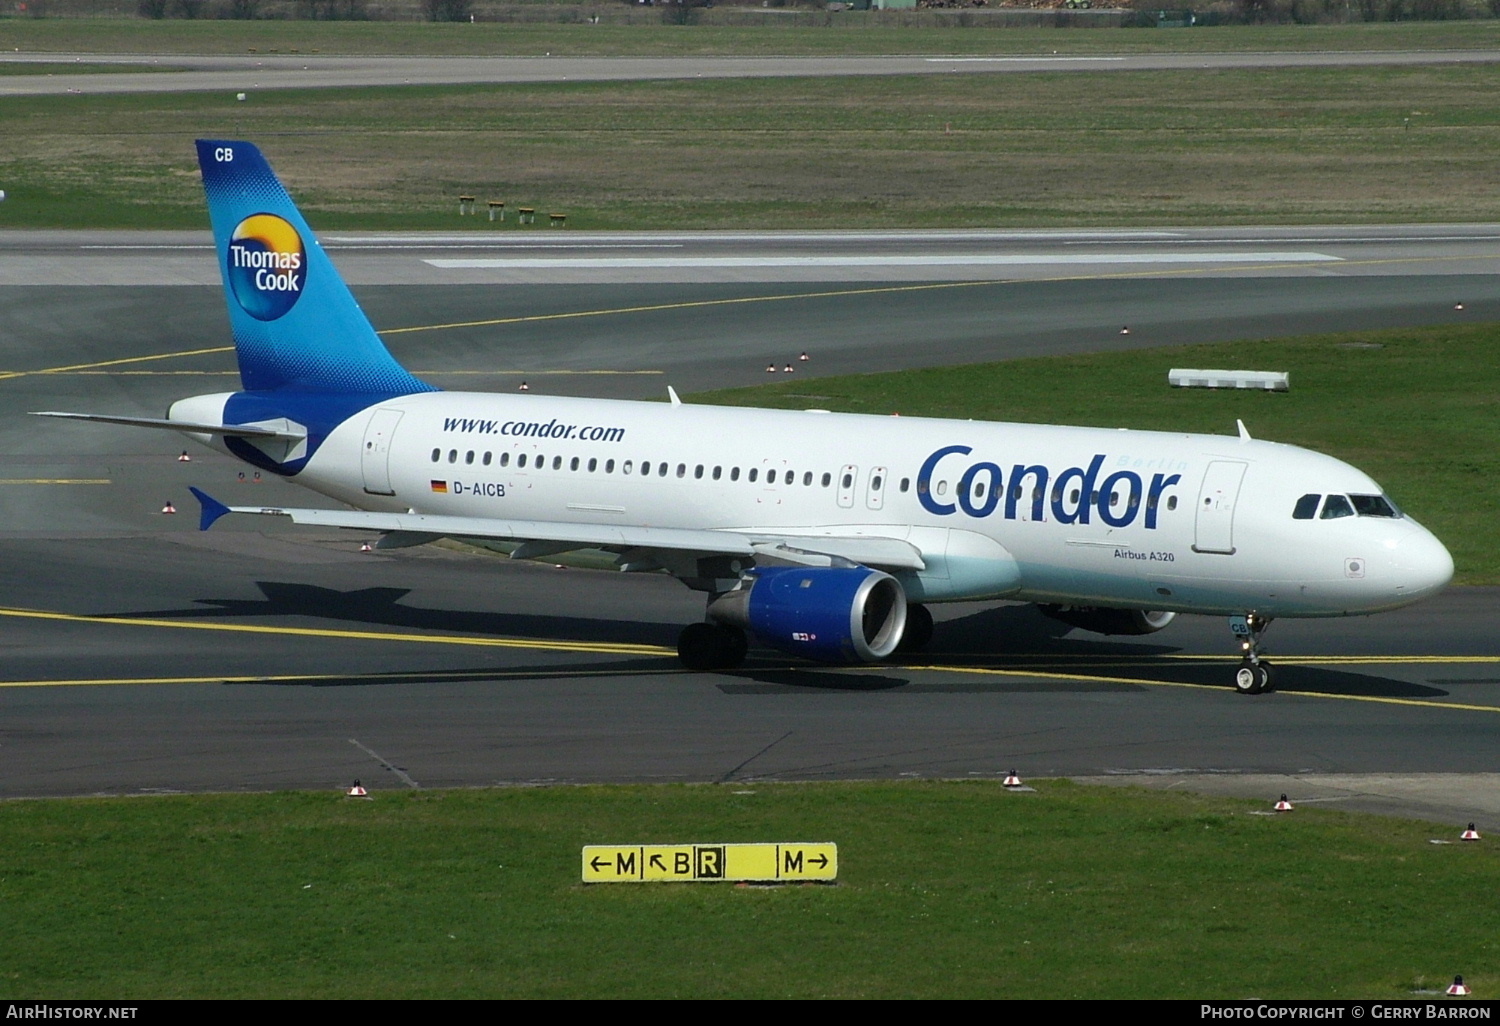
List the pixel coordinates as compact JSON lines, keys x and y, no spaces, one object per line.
{"x":1077,"y":516}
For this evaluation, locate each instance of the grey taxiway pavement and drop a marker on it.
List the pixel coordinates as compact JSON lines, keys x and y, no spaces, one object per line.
{"x":249,"y":72}
{"x":145,"y":656}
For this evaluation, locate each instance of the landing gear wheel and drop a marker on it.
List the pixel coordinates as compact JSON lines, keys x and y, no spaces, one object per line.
{"x":1250,"y":679}
{"x":918,"y":629}
{"x":711,"y":646}
{"x":1254,"y":675}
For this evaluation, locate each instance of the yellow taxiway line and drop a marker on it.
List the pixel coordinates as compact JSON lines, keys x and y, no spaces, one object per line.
{"x":612,"y":648}
{"x":602,"y":647}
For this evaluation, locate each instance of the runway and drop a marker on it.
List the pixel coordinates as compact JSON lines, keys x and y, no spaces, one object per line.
{"x":249,"y":72}
{"x":144,"y":656}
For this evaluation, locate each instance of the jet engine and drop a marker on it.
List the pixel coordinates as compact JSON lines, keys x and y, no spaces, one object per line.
{"x":830,"y":614}
{"x":1109,"y":621}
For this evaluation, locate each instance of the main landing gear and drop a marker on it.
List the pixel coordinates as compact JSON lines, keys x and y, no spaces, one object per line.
{"x":918,"y":629}
{"x":711,"y":646}
{"x":1254,"y":675}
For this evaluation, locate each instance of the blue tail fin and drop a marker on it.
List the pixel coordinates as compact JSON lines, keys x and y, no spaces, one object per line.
{"x":296,"y":326}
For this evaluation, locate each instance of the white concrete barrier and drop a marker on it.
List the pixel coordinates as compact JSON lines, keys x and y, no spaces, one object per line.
{"x":1269,"y":381}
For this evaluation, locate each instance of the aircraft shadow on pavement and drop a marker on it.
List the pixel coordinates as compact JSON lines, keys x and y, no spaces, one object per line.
{"x":994,"y":638}
{"x":463,"y":675}
{"x":382,"y":607}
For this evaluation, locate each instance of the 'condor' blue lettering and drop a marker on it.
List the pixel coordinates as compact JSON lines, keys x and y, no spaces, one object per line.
{"x":1075,"y":493}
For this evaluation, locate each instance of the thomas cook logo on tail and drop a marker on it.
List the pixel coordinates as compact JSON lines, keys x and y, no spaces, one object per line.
{"x":267,"y":266}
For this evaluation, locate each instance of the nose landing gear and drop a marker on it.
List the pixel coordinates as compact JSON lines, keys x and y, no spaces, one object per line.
{"x":1254,"y":675}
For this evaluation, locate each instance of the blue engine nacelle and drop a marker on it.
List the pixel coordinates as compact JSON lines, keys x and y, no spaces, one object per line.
{"x":831,"y":614}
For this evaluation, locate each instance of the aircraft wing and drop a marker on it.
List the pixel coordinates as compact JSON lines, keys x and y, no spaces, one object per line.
{"x":405,"y":529}
{"x":235,"y":430}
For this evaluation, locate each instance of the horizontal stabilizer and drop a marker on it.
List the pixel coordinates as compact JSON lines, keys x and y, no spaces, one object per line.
{"x":231,"y":430}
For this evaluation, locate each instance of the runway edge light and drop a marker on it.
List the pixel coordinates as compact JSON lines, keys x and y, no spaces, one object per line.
{"x":787,"y":862}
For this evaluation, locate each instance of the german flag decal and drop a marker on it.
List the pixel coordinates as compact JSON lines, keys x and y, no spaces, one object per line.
{"x":441,"y":487}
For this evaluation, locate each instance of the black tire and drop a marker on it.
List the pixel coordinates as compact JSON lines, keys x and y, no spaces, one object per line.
{"x":710,"y":646}
{"x":918,"y":629}
{"x":1267,"y":678}
{"x":1249,"y":679}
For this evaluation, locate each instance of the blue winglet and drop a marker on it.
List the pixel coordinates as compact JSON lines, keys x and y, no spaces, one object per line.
{"x":213,"y":509}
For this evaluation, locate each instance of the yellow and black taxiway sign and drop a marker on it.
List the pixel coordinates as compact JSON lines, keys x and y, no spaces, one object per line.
{"x":722,"y":863}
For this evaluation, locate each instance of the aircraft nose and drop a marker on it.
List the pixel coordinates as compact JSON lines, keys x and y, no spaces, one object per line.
{"x":1422,"y":565}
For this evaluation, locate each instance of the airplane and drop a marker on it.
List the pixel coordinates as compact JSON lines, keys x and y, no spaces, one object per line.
{"x":818,"y":534}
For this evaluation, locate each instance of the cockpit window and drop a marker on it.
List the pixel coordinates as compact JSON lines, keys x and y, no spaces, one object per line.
{"x":1337,"y":506}
{"x":1307,"y":507}
{"x":1374,"y":506}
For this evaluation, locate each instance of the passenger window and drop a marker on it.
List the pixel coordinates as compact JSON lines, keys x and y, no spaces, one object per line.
{"x":1307,"y":507}
{"x":539,"y":461}
{"x":681,"y":469}
{"x":849,"y":482}
{"x":609,"y":466}
{"x":521,"y":460}
{"x":827,"y":480}
{"x":625,"y":467}
{"x":574,"y":464}
{"x":734,"y":473}
{"x":976,"y":487}
{"x":905,"y":483}
{"x":661,"y":470}
{"x":807,"y":479}
{"x":469,"y":457}
{"x":452,"y":455}
{"x":557,"y":463}
{"x":1171,"y":502}
{"x":718,"y":473}
{"x":1074,"y":496}
{"x":435,"y":454}
{"x":487,"y":458}
{"x":505,"y":459}
{"x":593,"y":463}
{"x":942,"y":488}
{"x":752,"y":475}
{"x":698,"y":472}
{"x":1337,"y":506}
{"x":1373,"y":506}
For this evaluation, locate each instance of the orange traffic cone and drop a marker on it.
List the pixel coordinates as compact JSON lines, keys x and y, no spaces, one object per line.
{"x":1458,"y":989}
{"x":184,"y":458}
{"x":1283,"y":805}
{"x":1470,"y":834}
{"x":357,"y":791}
{"x":169,"y":508}
{"x":366,"y":547}
{"x":1011,"y":780}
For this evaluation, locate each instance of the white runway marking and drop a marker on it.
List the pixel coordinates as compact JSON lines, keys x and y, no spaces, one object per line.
{"x":894,"y":260}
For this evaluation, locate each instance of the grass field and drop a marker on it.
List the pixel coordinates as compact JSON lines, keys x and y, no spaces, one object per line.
{"x":946,"y":890}
{"x":1178,"y":148}
{"x":852,"y":33}
{"x":1415,"y":408}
